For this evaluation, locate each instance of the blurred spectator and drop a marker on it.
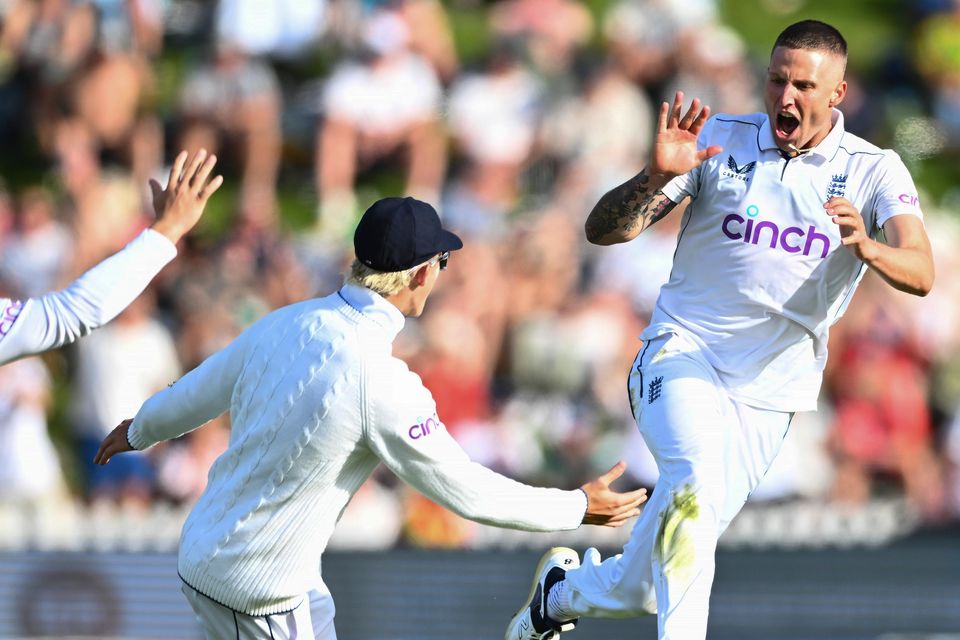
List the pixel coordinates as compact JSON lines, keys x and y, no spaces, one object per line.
{"x":454,"y":363}
{"x":109,"y":97}
{"x":381,"y":109}
{"x":30,"y":472}
{"x":231,"y":106}
{"x":130,"y":25}
{"x":36,"y":255}
{"x":938,"y":59}
{"x":714,"y":68}
{"x":550,"y":31}
{"x":602,"y":135}
{"x":105,"y":206}
{"x":879,"y":387}
{"x":645,"y":36}
{"x":639,"y":268}
{"x":183,"y":466}
{"x":280,"y":28}
{"x":47,"y":41}
{"x":494,"y":116}
{"x":118,"y":367}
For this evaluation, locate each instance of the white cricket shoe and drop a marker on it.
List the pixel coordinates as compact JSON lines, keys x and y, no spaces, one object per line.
{"x":532,"y":622}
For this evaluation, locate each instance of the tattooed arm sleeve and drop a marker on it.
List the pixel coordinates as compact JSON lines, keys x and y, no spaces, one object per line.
{"x":626,"y":211}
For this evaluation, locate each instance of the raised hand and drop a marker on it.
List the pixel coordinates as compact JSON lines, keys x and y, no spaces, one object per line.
{"x":675,"y":149}
{"x":180,"y":205}
{"x":605,"y":506}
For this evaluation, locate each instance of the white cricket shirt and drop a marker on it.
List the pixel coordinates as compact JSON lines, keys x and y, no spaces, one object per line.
{"x":316,"y":402}
{"x":759,"y":273}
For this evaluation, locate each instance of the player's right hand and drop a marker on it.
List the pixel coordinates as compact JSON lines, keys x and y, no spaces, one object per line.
{"x":116,"y":442}
{"x":675,"y":149}
{"x":180,"y":204}
{"x":607,"y":507}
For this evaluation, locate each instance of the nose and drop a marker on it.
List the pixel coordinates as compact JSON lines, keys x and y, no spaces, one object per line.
{"x":787,"y":95}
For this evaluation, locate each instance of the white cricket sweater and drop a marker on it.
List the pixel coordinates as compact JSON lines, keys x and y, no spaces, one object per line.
{"x":316,"y":401}
{"x":61,"y":317}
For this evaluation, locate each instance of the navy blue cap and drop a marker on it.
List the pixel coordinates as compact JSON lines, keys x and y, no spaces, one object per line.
{"x":396,"y":234}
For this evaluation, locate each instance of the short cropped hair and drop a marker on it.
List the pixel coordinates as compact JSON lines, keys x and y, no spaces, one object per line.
{"x":812,"y":35}
{"x":383,"y":282}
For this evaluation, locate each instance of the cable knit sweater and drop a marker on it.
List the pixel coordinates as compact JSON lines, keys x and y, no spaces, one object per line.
{"x":316,"y":401}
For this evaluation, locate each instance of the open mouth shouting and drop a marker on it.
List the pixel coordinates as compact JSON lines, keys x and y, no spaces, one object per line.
{"x":786,"y":125}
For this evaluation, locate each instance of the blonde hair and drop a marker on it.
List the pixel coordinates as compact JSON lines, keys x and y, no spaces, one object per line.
{"x":386,"y":283}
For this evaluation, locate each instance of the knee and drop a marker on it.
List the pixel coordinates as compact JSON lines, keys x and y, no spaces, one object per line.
{"x":687,"y":528}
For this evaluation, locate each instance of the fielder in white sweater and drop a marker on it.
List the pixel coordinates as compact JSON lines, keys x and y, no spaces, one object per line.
{"x":32,"y":326}
{"x":317,"y":400}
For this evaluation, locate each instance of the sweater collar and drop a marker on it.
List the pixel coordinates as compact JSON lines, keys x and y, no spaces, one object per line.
{"x":373,"y":307}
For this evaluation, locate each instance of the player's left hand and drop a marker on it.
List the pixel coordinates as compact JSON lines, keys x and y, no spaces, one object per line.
{"x":853,"y":233}
{"x":114,"y":443}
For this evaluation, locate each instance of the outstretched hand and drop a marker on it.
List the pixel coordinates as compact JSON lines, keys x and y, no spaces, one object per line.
{"x":180,"y":205}
{"x":607,"y":507}
{"x":116,"y":442}
{"x":675,"y":149}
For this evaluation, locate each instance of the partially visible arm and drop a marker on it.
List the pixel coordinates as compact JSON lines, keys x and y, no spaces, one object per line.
{"x":411,"y":440}
{"x":198,"y":397}
{"x":104,"y":291}
{"x":905,"y":261}
{"x":626,"y":211}
{"x":92,"y":300}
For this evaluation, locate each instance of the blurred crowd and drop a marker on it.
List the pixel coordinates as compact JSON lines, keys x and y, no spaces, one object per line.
{"x":513,"y":120}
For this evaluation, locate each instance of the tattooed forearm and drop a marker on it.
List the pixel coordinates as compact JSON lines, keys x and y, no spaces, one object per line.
{"x":624,"y":212}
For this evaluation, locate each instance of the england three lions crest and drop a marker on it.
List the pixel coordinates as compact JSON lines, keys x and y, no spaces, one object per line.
{"x":838,"y":186}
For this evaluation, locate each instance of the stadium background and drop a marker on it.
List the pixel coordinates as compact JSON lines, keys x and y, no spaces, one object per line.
{"x":515,"y":117}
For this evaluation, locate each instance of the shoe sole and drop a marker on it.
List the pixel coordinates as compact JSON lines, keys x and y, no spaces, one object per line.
{"x":537,"y":577}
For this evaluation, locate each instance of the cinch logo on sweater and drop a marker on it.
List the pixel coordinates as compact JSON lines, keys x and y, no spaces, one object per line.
{"x":769,"y":233}
{"x":10,"y":315}
{"x":423,"y":428}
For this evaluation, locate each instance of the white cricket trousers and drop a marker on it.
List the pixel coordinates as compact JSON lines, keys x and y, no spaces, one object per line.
{"x":711,"y":452}
{"x":306,"y":622}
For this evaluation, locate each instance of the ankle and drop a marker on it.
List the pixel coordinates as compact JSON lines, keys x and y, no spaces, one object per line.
{"x":558,"y":602}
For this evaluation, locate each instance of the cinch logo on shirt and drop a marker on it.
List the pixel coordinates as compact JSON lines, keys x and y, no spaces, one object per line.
{"x":769,"y":233}
{"x":423,"y":428}
{"x":906,"y":198}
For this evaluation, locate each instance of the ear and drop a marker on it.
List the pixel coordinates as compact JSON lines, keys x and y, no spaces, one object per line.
{"x":419,"y":277}
{"x":838,"y":94}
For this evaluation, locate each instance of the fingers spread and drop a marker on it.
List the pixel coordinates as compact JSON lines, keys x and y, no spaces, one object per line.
{"x":204,"y":173}
{"x":195,"y":162}
{"x":662,"y":119}
{"x":176,"y":170}
{"x":701,"y":120}
{"x":211,"y":187}
{"x":691,"y":114}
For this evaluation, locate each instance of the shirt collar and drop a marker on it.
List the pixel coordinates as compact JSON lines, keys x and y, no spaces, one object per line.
{"x":827,"y":147}
{"x":373,"y":307}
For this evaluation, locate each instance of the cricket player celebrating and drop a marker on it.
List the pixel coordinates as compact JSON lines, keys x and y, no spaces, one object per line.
{"x":28,"y":327}
{"x":784,"y":211}
{"x":317,"y":400}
